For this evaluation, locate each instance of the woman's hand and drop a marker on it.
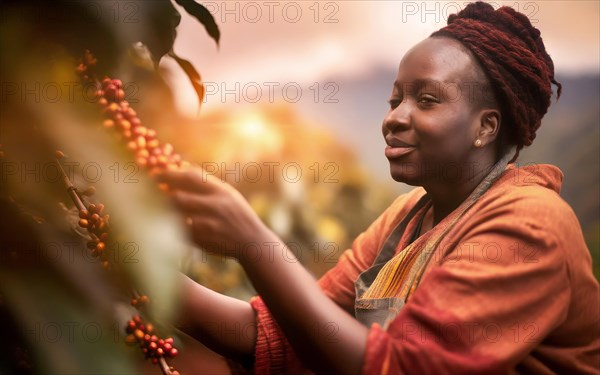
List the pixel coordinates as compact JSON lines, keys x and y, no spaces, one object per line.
{"x":220,"y":219}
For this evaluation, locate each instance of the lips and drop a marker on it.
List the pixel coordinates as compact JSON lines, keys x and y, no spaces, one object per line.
{"x":396,"y":148}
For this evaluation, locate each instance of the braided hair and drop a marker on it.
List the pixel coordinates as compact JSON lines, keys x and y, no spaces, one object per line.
{"x":513,"y":56}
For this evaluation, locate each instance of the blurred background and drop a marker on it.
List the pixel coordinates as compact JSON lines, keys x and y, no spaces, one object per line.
{"x":295,"y":93}
{"x":330,"y":66}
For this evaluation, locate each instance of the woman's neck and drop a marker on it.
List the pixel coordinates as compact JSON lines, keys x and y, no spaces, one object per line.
{"x":447,"y":196}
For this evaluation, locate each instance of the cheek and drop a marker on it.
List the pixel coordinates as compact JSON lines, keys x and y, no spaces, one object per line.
{"x":446,"y":134}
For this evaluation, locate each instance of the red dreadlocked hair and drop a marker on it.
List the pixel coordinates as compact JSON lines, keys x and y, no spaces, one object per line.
{"x":514,"y":59}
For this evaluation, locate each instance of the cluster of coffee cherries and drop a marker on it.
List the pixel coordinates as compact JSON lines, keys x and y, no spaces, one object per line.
{"x":96,"y":222}
{"x":139,"y":139}
{"x":119,"y":115}
{"x":153,"y":347}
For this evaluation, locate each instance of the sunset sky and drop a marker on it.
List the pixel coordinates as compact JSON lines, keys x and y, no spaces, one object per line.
{"x":317,"y":51}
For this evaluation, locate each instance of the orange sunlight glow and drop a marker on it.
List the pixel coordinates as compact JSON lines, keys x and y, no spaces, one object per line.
{"x":252,"y":137}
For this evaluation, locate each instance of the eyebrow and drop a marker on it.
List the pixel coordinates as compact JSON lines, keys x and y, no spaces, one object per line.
{"x":419,"y":83}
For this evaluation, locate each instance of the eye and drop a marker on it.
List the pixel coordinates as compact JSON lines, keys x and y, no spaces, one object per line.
{"x":428,"y":99}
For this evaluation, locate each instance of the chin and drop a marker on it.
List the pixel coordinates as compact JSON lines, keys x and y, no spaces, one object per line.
{"x":402,"y":174}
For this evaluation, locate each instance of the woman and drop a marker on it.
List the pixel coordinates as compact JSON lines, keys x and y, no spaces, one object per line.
{"x":482,"y":269}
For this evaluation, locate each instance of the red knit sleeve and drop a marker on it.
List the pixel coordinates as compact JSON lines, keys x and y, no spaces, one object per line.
{"x":272,"y":354}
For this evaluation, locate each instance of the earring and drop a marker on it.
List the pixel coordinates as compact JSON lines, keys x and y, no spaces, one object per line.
{"x":477,"y":143}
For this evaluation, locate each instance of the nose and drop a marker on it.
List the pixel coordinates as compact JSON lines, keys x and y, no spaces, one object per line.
{"x":397,"y":118}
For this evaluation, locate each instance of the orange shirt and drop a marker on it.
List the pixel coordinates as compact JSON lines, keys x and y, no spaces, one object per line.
{"x":510,"y":290}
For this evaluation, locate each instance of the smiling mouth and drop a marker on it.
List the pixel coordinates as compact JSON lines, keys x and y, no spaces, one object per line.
{"x":396,"y":152}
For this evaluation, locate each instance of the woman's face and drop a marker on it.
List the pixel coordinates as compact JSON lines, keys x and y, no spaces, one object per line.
{"x":434,"y":116}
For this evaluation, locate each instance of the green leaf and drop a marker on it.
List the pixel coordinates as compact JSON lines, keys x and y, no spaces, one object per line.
{"x":203,"y":15}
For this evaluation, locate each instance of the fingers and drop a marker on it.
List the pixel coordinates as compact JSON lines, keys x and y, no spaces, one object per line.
{"x":191,"y":202}
{"x":196,"y":180}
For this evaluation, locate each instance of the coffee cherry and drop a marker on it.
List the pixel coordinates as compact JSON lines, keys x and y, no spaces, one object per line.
{"x":83,"y":214}
{"x":130,"y":339}
{"x":135,"y":121}
{"x":144,"y":299}
{"x":102,"y":102}
{"x":142,"y":162}
{"x":108,"y":123}
{"x":173,"y":353}
{"x":124,"y":124}
{"x":130,"y":326}
{"x":140,"y":130}
{"x":141,"y":142}
{"x":153,"y":143}
{"x":139,"y":334}
{"x":83,"y":223}
{"x":119,"y":95}
{"x":112,"y":108}
{"x":89,"y":191}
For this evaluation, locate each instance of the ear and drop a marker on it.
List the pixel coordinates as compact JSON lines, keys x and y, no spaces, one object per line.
{"x":489,"y":125}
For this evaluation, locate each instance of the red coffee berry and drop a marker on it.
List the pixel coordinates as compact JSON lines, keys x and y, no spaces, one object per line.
{"x":139,"y":334}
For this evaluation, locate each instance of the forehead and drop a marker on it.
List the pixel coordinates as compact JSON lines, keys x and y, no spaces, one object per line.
{"x":437,"y":59}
